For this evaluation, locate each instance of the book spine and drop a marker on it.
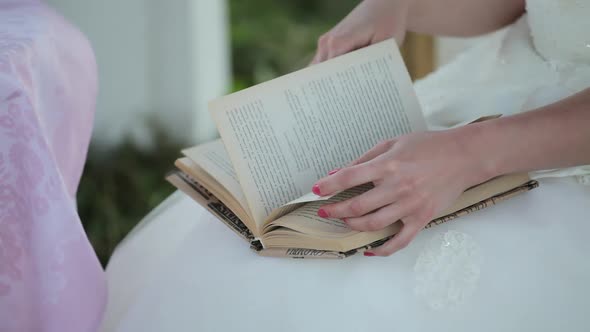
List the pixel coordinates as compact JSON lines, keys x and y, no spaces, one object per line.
{"x":299,"y":253}
{"x":209,"y":201}
{"x":311,"y":253}
{"x":484,"y":204}
{"x":468,"y":210}
{"x":202,"y":196}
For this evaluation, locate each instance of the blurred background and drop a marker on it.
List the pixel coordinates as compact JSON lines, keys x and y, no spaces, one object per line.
{"x":160,"y":62}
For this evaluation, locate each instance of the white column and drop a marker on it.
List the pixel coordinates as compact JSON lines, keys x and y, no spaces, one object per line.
{"x":159,"y":63}
{"x":212,"y":67}
{"x":190,"y":64}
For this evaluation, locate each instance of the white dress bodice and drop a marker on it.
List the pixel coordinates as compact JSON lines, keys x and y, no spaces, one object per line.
{"x":541,"y":58}
{"x":561,"y":29}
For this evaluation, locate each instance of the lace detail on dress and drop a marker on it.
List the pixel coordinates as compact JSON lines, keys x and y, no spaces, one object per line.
{"x":561,"y":29}
{"x":447,"y":270}
{"x":583,"y":179}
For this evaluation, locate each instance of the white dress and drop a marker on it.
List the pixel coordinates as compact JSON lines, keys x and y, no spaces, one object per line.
{"x":519,"y":266}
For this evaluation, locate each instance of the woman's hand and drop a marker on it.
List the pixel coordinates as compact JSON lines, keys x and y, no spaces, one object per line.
{"x":415,"y":177}
{"x":370,"y":22}
{"x":376,"y":20}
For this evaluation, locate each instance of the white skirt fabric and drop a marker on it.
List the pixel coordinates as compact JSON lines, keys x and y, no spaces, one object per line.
{"x":518,"y":266}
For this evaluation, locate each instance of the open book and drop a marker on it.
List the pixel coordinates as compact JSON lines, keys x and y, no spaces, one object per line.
{"x":279,"y":137}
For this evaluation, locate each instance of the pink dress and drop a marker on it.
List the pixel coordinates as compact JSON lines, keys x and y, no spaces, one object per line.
{"x":50,"y":278}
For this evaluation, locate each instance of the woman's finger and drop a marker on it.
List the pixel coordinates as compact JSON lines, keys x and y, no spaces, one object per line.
{"x":340,"y":45}
{"x":322,"y":48}
{"x":398,"y":242}
{"x":333,"y":44}
{"x":383,"y":217}
{"x":315,"y":58}
{"x":360,"y":205}
{"x":375,"y":151}
{"x":348,"y":178}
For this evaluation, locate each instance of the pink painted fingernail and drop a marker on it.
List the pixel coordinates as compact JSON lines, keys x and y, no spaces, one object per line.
{"x":316,"y":189}
{"x":333,"y":171}
{"x":322,"y":213}
{"x":368,"y":254}
{"x":344,"y":220}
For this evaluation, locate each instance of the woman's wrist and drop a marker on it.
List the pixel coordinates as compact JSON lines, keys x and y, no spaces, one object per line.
{"x":553,"y":136}
{"x":395,"y":11}
{"x":474,"y":144}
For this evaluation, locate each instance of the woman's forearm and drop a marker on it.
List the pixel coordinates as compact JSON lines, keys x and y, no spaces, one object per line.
{"x":461,"y":17}
{"x":554,"y":136}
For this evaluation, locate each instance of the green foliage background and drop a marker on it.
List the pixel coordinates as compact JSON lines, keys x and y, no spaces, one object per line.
{"x":268,"y":38}
{"x":271,"y":38}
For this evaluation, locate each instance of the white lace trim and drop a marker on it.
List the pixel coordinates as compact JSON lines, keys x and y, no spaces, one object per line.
{"x":447,"y":271}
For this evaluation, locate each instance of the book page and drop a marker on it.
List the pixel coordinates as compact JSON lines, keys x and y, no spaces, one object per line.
{"x":305,"y":219}
{"x":295,"y":204}
{"x":285,"y":134}
{"x":311,"y":202}
{"x":213,"y":159}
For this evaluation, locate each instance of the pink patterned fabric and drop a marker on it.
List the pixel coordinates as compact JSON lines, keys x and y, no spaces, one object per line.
{"x":50,"y":278}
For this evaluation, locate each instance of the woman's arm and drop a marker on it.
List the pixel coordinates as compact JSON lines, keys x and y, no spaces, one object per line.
{"x":554,"y":136}
{"x":376,"y":20}
{"x":461,"y":17}
{"x":417,"y":176}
